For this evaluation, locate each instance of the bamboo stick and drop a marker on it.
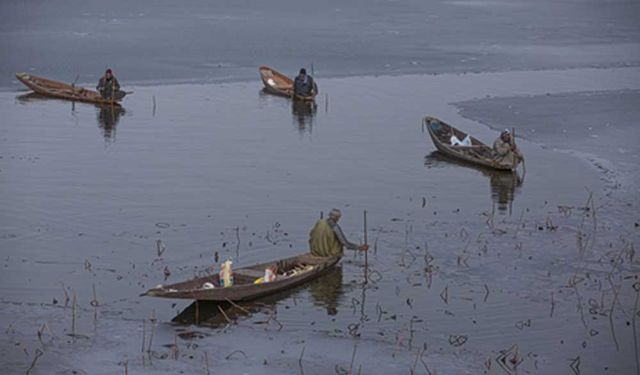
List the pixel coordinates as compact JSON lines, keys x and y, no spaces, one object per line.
{"x":366,"y":253}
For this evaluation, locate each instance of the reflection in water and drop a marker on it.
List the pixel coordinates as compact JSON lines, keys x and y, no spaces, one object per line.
{"x":325,"y":291}
{"x":504,"y":185}
{"x":503,"y":188}
{"x":108,"y":117}
{"x":30,"y":97}
{"x":303,"y":113}
{"x":207,"y":313}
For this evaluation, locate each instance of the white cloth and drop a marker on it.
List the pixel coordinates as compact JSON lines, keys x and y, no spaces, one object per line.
{"x":456,"y":142}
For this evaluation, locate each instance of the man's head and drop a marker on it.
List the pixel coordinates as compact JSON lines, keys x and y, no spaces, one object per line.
{"x":335,"y":215}
{"x":506,"y":135}
{"x":108,"y":73}
{"x":303,"y":72}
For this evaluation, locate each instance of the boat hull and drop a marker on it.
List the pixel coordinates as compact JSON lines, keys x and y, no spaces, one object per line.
{"x":61,"y":90}
{"x":244,"y":289}
{"x":279,"y":84}
{"x":478,"y":153}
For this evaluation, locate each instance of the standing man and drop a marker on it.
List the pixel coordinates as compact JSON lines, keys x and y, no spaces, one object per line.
{"x":327,"y":239}
{"x":109,"y":87}
{"x":304,"y":85}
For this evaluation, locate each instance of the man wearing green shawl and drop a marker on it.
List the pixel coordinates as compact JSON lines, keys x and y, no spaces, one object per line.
{"x":327,"y":239}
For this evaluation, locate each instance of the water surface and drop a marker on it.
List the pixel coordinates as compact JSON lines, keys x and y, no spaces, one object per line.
{"x":465,"y":263}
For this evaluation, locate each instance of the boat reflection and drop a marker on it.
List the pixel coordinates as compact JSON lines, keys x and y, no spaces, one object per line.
{"x":325,"y":291}
{"x":30,"y":98}
{"x":504,"y":185}
{"x":303,"y":114}
{"x":108,"y":118}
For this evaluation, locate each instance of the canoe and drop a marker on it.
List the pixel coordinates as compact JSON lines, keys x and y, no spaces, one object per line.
{"x":277,"y":83}
{"x":291,"y":272}
{"x":477,"y":153}
{"x":61,"y":90}
{"x":324,"y":291}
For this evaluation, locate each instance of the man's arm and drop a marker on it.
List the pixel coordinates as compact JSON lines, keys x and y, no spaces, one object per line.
{"x":342,"y":238}
{"x":100,"y":84}
{"x":116,"y":84}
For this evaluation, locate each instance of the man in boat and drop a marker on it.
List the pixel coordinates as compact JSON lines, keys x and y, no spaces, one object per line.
{"x":327,"y":239}
{"x":304,"y":85}
{"x":506,"y":150}
{"x":108,"y":86}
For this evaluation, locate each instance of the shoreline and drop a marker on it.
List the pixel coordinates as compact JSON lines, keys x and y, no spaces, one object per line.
{"x":18,"y":87}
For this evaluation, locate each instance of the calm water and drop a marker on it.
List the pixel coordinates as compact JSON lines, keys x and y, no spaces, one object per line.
{"x":467,"y":263}
{"x":204,"y":41}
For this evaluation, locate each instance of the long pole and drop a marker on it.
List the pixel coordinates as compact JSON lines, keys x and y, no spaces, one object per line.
{"x":513,"y":134}
{"x":366,"y":253}
{"x":365,"y":227}
{"x":112,"y":91}
{"x":524,"y":168}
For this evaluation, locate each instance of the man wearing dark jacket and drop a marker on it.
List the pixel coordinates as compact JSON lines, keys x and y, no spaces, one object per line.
{"x":304,"y":85}
{"x":108,"y":86}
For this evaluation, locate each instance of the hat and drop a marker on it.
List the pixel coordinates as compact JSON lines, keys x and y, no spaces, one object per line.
{"x":303,"y":71}
{"x":335,"y":214}
{"x":108,"y":71}
{"x":506,"y":131}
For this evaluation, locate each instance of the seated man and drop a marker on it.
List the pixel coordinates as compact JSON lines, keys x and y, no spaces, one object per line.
{"x":327,"y":239}
{"x":304,"y":85}
{"x":108,"y":86}
{"x":506,"y":151}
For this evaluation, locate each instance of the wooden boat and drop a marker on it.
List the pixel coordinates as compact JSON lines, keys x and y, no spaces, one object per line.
{"x":477,"y":153}
{"x":324,"y":291}
{"x":244,"y":288}
{"x":279,"y":84}
{"x":61,"y":90}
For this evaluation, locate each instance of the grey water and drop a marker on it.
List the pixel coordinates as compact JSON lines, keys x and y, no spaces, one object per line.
{"x":212,"y":41}
{"x":470,"y":271}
